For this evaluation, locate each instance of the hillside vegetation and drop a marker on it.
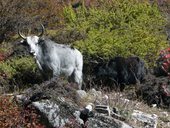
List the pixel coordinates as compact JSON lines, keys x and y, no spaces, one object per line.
{"x":100,"y":29}
{"x":119,"y":27}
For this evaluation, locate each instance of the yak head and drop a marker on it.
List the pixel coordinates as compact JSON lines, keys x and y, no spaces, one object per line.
{"x":32,"y":41}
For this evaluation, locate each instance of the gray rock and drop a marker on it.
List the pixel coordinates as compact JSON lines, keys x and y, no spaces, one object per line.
{"x":148,"y":120}
{"x":52,"y":112}
{"x":59,"y":114}
{"x":102,"y":121}
{"x":95,"y":93}
{"x":103,"y":109}
{"x":80,"y":94}
{"x":78,"y":119}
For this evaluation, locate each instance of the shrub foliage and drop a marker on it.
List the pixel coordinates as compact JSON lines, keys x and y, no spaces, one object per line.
{"x":13,"y":116}
{"x":29,"y":13}
{"x":20,"y":71}
{"x":119,"y":27}
{"x":103,"y":29}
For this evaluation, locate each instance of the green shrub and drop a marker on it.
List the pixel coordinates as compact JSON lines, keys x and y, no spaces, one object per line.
{"x":6,"y":69}
{"x":20,"y":71}
{"x":17,"y":66}
{"x":119,"y":27}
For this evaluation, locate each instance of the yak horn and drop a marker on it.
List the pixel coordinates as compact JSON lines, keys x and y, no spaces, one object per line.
{"x":22,"y":36}
{"x":42,"y":30}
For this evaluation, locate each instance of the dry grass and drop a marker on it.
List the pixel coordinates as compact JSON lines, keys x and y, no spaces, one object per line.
{"x":119,"y":100}
{"x":125,"y":107}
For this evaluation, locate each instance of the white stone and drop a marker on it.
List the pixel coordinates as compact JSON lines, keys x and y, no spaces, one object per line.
{"x":95,"y":93}
{"x":165,"y":114}
{"x":80,"y":94}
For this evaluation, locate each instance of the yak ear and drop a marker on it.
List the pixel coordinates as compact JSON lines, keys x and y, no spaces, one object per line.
{"x":138,"y":59}
{"x":23,"y":42}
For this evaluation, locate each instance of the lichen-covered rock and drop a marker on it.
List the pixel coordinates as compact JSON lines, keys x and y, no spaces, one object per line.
{"x":55,"y":114}
{"x":50,"y":110}
{"x":80,"y":95}
{"x":148,"y":120}
{"x":102,"y":121}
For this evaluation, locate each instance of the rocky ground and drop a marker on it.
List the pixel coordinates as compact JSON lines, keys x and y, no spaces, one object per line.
{"x":62,"y":105}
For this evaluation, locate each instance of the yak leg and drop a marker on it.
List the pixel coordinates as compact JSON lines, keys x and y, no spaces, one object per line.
{"x":78,"y":78}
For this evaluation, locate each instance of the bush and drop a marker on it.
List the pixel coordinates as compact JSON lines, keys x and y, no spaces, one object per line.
{"x":20,"y":71}
{"x":29,"y":13}
{"x":13,"y":116}
{"x":119,"y":27}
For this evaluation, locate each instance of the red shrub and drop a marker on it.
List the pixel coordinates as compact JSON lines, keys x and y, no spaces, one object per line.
{"x":12,"y":115}
{"x":164,"y":60}
{"x":3,"y":56}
